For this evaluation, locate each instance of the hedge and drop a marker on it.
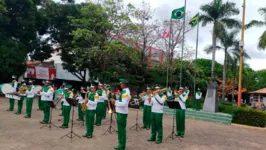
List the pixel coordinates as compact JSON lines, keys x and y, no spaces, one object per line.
{"x":245,"y":115}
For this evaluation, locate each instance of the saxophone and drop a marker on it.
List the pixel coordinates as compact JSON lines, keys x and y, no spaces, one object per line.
{"x":83,"y":104}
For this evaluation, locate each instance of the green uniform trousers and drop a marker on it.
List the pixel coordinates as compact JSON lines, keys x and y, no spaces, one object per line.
{"x":157,"y":126}
{"x":99,"y":113}
{"x":187,"y":104}
{"x":29,"y":102}
{"x":20,"y":104}
{"x":90,"y":117}
{"x":197,"y":104}
{"x":46,"y":111}
{"x":66,"y":115}
{"x":180,"y":122}
{"x":11,"y":104}
{"x":40,"y":103}
{"x":146,"y":116}
{"x":80,"y":112}
{"x":105,"y":108}
{"x":121,"y":127}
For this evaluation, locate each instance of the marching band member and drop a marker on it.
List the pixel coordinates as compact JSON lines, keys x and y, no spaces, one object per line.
{"x":187,"y":94}
{"x":22,"y":94}
{"x":122,"y":111}
{"x":169,"y":92}
{"x":63,"y":86}
{"x":91,"y":101}
{"x":100,"y":105}
{"x":180,"y":114}
{"x":157,"y":103}
{"x":198,"y":98}
{"x":40,"y":101}
{"x":105,"y":86}
{"x":30,"y":96}
{"x":66,"y":107}
{"x":46,"y":95}
{"x":147,"y":109}
{"x":81,"y":99}
{"x":11,"y":100}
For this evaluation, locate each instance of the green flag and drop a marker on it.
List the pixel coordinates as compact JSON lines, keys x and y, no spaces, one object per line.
{"x":178,"y":13}
{"x":194,"y":21}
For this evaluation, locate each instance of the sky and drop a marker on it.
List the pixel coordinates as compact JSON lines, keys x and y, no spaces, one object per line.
{"x":163,"y":10}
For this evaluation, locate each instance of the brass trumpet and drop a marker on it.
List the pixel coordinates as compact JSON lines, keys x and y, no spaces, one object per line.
{"x":160,"y":90}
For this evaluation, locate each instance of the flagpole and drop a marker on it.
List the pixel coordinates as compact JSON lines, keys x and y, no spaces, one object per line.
{"x":196,"y":57}
{"x":183,"y":42}
{"x":168,"y":54}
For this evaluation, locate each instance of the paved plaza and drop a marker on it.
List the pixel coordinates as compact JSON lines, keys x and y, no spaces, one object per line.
{"x":18,"y":133}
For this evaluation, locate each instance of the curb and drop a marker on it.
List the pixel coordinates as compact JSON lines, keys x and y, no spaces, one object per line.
{"x":248,"y":127}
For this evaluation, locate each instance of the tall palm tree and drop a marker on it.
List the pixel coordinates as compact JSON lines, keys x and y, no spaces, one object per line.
{"x":228,"y":42}
{"x":218,"y":14}
{"x":262,"y":41}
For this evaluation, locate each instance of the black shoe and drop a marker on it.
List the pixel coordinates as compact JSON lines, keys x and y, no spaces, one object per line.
{"x":151,"y":139}
{"x":85,"y":135}
{"x":42,"y":122}
{"x":26,"y":116}
{"x":158,"y":142}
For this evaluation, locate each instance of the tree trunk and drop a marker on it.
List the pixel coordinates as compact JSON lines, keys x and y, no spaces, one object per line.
{"x":213,"y":53}
{"x":224,"y":74}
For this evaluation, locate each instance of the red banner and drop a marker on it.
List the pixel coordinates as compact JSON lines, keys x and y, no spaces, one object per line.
{"x":41,"y":73}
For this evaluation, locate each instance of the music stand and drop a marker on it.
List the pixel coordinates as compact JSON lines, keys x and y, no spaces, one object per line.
{"x":111,"y":129}
{"x":50,"y":124}
{"x":173,"y":105}
{"x":72,"y":102}
{"x":136,"y":126}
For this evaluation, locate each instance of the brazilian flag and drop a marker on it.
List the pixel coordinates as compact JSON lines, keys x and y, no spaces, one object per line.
{"x":194,"y":21}
{"x":178,"y":13}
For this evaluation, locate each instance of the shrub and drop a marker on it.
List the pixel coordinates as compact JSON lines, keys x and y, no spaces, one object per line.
{"x":245,"y":115}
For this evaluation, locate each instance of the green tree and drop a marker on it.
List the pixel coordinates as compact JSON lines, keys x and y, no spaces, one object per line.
{"x":203,"y":72}
{"x":262,"y":40}
{"x":20,"y":26}
{"x":230,"y":46}
{"x":218,"y":14}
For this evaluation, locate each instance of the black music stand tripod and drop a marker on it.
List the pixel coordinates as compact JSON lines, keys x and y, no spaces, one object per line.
{"x":173,"y":105}
{"x":136,"y":126}
{"x":71,"y":134}
{"x":111,"y":120}
{"x":50,"y":124}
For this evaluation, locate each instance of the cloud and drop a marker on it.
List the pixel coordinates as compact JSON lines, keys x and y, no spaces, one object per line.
{"x":163,"y":10}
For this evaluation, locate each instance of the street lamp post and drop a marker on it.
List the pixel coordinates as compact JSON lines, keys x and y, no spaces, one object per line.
{"x":241,"y":55}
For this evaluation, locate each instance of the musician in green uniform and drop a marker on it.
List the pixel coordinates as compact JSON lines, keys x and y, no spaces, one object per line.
{"x":122,"y":113}
{"x":11,"y":100}
{"x":67,"y":108}
{"x":180,"y":113}
{"x":22,"y":94}
{"x":105,"y":86}
{"x":157,"y":103}
{"x":100,"y":104}
{"x":146,"y":97}
{"x":91,"y":100}
{"x":198,"y":98}
{"x":80,"y":99}
{"x":30,"y":96}
{"x":46,"y":93}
